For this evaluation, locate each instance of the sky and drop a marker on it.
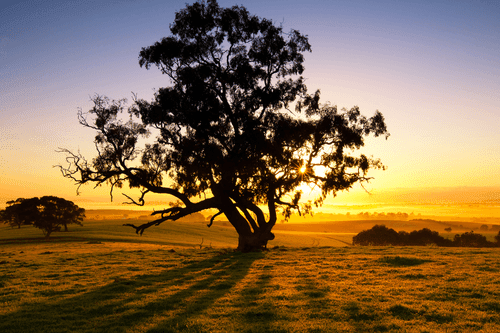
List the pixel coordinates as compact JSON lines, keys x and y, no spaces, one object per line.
{"x":431,"y":67}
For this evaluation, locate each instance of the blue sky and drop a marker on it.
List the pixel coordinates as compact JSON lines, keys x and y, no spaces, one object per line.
{"x":431,"y":67}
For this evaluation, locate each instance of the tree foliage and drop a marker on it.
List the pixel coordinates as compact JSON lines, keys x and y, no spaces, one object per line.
{"x":47,"y":213}
{"x":380,"y":235}
{"x":237,"y":130}
{"x":16,"y":213}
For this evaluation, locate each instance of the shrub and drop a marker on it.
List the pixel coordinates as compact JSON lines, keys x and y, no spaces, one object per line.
{"x":381,"y":235}
{"x":426,"y":237}
{"x":470,"y":239}
{"x":378,"y":235}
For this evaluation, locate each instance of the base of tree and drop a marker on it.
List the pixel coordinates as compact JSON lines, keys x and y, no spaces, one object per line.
{"x":254,"y":242}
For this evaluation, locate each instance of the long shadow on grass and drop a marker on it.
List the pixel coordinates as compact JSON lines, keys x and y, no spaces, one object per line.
{"x":260,"y":313}
{"x":159,"y":302}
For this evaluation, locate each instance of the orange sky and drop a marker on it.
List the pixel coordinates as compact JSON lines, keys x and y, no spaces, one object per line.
{"x":430,"y":68}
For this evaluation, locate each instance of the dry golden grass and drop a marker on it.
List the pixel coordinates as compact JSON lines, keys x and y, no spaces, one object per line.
{"x":132,"y":287}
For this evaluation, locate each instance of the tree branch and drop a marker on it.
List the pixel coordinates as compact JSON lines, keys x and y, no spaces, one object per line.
{"x":175,"y":213}
{"x":212,"y":219}
{"x":141,"y":199}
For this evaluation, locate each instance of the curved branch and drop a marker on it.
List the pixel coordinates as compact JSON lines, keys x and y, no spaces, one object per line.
{"x":175,"y":213}
{"x":212,"y":219}
{"x":77,"y":165}
{"x":141,"y":199}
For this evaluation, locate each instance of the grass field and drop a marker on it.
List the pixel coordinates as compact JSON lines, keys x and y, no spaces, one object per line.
{"x":104,"y":278}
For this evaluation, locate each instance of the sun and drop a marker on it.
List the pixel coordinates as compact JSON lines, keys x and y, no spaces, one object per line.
{"x":303,"y":169}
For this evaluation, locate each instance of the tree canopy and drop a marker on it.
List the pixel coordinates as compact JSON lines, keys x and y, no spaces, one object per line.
{"x":380,"y":235}
{"x":16,"y":213}
{"x":236,"y":129}
{"x":47,"y":213}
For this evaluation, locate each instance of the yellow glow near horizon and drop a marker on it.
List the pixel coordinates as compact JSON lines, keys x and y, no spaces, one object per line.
{"x":430,"y":68}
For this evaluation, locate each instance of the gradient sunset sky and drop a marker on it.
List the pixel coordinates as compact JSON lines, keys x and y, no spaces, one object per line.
{"x":431,"y":67}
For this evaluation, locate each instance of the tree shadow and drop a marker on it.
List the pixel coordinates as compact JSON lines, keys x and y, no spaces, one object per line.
{"x":258,"y":308}
{"x":142,"y":301}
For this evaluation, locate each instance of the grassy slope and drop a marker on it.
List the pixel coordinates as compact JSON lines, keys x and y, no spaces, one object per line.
{"x":80,"y":287}
{"x":123,"y":285}
{"x":176,"y":234}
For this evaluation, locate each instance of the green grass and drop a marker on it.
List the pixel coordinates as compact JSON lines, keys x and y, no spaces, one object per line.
{"x":118,"y":284}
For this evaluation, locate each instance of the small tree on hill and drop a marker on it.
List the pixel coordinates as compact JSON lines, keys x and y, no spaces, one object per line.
{"x":55,"y":213}
{"x":378,"y":235}
{"x":426,"y":236}
{"x":18,"y":212}
{"x":471,"y":239}
{"x":229,"y":139}
{"x":47,"y":213}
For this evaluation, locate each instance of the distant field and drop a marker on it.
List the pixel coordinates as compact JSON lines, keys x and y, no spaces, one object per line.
{"x":177,"y":234}
{"x":103,"y":278}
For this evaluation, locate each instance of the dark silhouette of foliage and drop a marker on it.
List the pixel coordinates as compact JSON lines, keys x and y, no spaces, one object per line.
{"x":47,"y":213}
{"x":426,"y":237}
{"x":381,"y":235}
{"x":376,"y":236}
{"x":16,"y":213}
{"x":497,"y":238}
{"x":471,"y":239}
{"x":237,"y":131}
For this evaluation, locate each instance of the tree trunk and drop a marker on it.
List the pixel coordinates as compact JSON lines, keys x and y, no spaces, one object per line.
{"x":65,"y":227}
{"x":256,"y":241}
{"x":248,"y":240}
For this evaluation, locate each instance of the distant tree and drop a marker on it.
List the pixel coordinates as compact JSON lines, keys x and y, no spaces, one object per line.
{"x":381,"y":235}
{"x":10,"y":215}
{"x":471,"y":239}
{"x":424,"y":236}
{"x":18,"y":212}
{"x":403,"y":237}
{"x":47,"y":213}
{"x":483,"y":227}
{"x":378,"y":235}
{"x":229,"y":138}
{"x":62,"y":212}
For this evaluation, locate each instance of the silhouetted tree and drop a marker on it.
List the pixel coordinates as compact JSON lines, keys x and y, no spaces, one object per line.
{"x":378,"y":235}
{"x":61,"y":211}
{"x":228,"y":137}
{"x":47,"y":213}
{"x":381,"y":235}
{"x":15,"y":213}
{"x":471,"y":239}
{"x":426,"y":236}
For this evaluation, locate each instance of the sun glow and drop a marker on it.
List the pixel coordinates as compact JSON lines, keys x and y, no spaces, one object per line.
{"x":303,"y":169}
